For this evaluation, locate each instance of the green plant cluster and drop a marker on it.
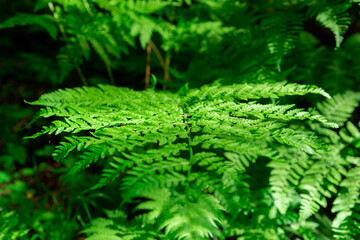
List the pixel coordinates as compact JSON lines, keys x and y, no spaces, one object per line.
{"x":184,"y":119}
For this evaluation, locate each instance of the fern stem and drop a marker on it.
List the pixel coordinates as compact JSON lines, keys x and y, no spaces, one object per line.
{"x":191,"y":153}
{"x":158,"y":55}
{"x":81,"y":75}
{"x":63,"y":33}
{"x":167,"y":76}
{"x":148,"y":66}
{"x":86,"y":209}
{"x":110,"y":73}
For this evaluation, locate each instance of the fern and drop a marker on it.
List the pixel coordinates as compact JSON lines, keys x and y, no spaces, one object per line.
{"x":166,"y":141}
{"x":346,"y":206}
{"x":333,"y":15}
{"x":317,"y":180}
{"x":116,"y":227}
{"x":281,"y":31}
{"x":341,"y":108}
{"x":22,"y":19}
{"x":229,"y":155}
{"x":346,"y":222}
{"x":286,"y":175}
{"x":328,"y":173}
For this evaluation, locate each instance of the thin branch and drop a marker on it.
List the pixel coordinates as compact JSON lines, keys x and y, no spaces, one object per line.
{"x":148,"y":66}
{"x":164,"y":63}
{"x":167,"y":76}
{"x":158,"y":54}
{"x":81,"y":75}
{"x":191,"y":159}
{"x":110,"y":73}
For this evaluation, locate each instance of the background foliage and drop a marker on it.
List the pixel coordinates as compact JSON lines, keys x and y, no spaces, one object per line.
{"x":248,"y":128}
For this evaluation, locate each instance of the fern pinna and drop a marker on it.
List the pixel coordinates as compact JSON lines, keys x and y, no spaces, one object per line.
{"x":188,"y":155}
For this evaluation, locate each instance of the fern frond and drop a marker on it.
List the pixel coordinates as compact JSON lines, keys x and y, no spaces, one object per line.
{"x":281,"y":29}
{"x":287,"y":171}
{"x":115,"y":119}
{"x":148,"y":7}
{"x":334,"y":16}
{"x":254,"y":91}
{"x":233,"y":192}
{"x":341,"y":108}
{"x":350,"y":134}
{"x":346,"y":205}
{"x":143,"y":7}
{"x":187,"y":146}
{"x":22,"y":19}
{"x":194,"y":220}
{"x":116,"y":227}
{"x":320,"y":181}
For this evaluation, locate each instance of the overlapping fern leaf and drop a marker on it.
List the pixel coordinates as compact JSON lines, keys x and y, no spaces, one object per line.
{"x":317,"y":181}
{"x":346,"y":205}
{"x":187,"y":153}
{"x":333,"y":15}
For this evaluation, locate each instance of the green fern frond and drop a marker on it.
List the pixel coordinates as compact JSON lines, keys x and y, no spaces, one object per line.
{"x":234,"y":159}
{"x":116,"y":227}
{"x":194,"y":220}
{"x":233,"y":192}
{"x":148,"y":7}
{"x":22,"y":19}
{"x":320,"y":182}
{"x":143,"y":7}
{"x":281,"y":29}
{"x":163,"y":174}
{"x":350,"y":134}
{"x":287,"y":171}
{"x":341,"y":108}
{"x":334,"y":16}
{"x":254,"y":91}
{"x":190,"y":146}
{"x":346,"y":205}
{"x":108,"y":111}
{"x":144,"y":28}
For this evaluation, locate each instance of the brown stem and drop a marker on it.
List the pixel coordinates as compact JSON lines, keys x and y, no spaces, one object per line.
{"x":148,"y":65}
{"x":158,"y":54}
{"x":81,"y":75}
{"x":167,"y":76}
{"x":164,"y":63}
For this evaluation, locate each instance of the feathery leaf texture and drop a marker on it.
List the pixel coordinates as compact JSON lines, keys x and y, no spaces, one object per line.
{"x":340,"y":109}
{"x":318,"y":180}
{"x":234,"y":159}
{"x":23,"y":19}
{"x":171,"y":144}
{"x":334,"y":16}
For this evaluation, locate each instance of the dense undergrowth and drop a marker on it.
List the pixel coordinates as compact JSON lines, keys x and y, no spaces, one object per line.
{"x":182,"y":119}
